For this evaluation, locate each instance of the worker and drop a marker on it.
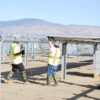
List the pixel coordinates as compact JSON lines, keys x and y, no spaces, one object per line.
{"x":16,"y":59}
{"x":53,"y":61}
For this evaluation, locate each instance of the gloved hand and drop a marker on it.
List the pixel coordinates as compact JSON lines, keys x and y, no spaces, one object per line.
{"x":23,"y":52}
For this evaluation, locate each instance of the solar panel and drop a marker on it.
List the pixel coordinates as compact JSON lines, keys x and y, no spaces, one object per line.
{"x":77,"y":39}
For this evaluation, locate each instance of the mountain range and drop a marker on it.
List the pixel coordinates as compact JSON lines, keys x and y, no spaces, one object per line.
{"x":41,"y":27}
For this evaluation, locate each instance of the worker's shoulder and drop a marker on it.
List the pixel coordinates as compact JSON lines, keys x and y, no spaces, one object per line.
{"x":13,"y":45}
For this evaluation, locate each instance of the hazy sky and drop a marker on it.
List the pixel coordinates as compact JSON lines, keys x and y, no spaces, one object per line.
{"x":85,"y":12}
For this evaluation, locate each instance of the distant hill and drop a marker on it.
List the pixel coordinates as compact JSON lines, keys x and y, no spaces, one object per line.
{"x":42,"y":27}
{"x":25,"y":22}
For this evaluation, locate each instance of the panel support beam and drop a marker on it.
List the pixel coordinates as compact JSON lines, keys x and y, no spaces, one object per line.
{"x":64,"y":63}
{"x":26,"y":54}
{"x":96,"y":62}
{"x":0,"y":49}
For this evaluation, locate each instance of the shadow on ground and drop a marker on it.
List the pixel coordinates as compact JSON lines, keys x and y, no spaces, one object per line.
{"x":41,"y":70}
{"x":84,"y":93}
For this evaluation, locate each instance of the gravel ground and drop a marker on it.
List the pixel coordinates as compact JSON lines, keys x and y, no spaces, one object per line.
{"x":78,"y":85}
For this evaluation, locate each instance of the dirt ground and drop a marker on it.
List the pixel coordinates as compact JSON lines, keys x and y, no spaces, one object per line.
{"x":78,"y":85}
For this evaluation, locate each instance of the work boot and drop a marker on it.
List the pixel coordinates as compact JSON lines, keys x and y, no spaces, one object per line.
{"x":55,"y":79}
{"x":48,"y":80}
{"x":7,"y":80}
{"x":24,"y":76}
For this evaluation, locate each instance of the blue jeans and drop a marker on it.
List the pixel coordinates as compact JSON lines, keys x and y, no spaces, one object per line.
{"x":51,"y":69}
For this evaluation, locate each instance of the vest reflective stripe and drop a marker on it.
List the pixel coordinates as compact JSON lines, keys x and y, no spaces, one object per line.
{"x":12,"y":56}
{"x":54,"y":57}
{"x":18,"y":57}
{"x":12,"y":50}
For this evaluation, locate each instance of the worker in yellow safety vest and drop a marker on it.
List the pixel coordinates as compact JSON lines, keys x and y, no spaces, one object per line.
{"x":16,"y":59}
{"x":53,"y":61}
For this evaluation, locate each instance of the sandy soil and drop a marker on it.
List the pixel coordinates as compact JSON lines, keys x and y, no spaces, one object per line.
{"x":78,"y":85}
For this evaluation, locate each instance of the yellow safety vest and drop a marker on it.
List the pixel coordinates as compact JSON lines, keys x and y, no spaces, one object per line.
{"x":12,"y":56}
{"x":53,"y":58}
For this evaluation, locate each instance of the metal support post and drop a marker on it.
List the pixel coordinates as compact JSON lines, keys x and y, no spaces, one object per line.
{"x":0,"y":49}
{"x":26,"y":54}
{"x":96,"y":62}
{"x":77,"y":52}
{"x":64,"y":63}
{"x":32,"y":51}
{"x":4,"y":52}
